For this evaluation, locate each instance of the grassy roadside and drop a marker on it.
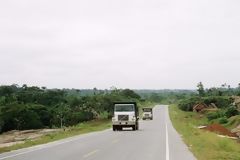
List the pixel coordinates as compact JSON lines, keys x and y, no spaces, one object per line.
{"x":205,"y":145}
{"x":86,"y":127}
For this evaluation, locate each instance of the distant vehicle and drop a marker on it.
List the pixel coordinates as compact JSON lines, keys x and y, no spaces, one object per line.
{"x":147,"y":113}
{"x":125,"y":115}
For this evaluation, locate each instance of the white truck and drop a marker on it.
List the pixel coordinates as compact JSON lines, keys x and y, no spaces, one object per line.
{"x":147,"y":113}
{"x":125,"y":115}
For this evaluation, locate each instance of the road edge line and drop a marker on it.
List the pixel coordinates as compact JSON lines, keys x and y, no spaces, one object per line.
{"x":167,"y":141}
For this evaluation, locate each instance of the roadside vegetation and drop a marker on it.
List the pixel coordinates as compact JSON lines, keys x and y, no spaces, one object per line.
{"x":209,"y":108}
{"x":205,"y":145}
{"x":219,"y":105}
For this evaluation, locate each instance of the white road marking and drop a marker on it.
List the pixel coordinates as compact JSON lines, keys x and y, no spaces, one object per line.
{"x":91,"y":153}
{"x":167,"y":144}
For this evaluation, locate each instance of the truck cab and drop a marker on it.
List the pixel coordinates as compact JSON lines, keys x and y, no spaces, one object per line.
{"x":125,"y":116}
{"x":147,"y":113}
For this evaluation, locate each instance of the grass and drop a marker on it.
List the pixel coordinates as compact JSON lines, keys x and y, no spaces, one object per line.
{"x":204,"y":145}
{"x":233,"y":122}
{"x":86,"y":127}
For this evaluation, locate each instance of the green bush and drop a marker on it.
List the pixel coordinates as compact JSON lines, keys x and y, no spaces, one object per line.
{"x":215,"y":115}
{"x":231,"y":111}
{"x":223,"y":120}
{"x":219,"y":101}
{"x":188,"y":104}
{"x":78,"y":117}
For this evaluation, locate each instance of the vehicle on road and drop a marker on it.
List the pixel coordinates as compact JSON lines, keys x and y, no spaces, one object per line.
{"x":147,"y":113}
{"x":125,"y":116}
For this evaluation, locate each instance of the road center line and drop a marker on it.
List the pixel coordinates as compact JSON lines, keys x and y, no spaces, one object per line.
{"x":91,"y":153}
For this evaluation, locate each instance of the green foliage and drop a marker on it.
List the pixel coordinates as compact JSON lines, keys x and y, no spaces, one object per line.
{"x":231,"y":111}
{"x":222,"y":115}
{"x":188,"y":104}
{"x":1,"y":124}
{"x":200,"y":89}
{"x":233,"y":122}
{"x":130,"y":94}
{"x":223,"y":120}
{"x":165,"y":96}
{"x":33,"y":107}
{"x":19,"y":116}
{"x":154,"y":97}
{"x":219,"y":101}
{"x":215,"y":115}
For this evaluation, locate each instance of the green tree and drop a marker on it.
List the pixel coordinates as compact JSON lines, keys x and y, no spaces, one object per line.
{"x":62,"y":112}
{"x":19,"y":116}
{"x":200,"y":89}
{"x":1,"y":121}
{"x":130,"y":94}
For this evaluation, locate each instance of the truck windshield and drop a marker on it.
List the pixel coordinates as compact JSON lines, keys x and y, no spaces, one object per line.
{"x":124,"y":108}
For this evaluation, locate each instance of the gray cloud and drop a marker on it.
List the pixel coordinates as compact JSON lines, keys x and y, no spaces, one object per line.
{"x":128,"y":43}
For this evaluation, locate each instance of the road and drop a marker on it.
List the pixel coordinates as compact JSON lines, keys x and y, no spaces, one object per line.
{"x":156,"y":140}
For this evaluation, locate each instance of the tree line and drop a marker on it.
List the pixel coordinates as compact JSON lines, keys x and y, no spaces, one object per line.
{"x":32,"y":107}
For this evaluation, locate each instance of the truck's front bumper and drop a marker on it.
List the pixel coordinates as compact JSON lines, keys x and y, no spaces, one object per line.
{"x":123,"y":123}
{"x":147,"y":117}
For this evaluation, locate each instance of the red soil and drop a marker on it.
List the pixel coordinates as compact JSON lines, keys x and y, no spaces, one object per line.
{"x":219,"y":129}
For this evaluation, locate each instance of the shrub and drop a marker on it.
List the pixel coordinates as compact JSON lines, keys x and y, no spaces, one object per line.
{"x":215,"y":115}
{"x":231,"y":111}
{"x":188,"y":104}
{"x":219,"y":101}
{"x":223,"y":120}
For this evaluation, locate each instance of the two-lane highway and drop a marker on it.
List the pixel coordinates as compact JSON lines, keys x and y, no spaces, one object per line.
{"x":156,"y":140}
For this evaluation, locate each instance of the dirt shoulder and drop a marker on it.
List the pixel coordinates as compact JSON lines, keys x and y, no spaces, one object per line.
{"x":19,"y":137}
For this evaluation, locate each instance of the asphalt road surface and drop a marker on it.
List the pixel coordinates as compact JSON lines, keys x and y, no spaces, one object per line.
{"x":156,"y":140}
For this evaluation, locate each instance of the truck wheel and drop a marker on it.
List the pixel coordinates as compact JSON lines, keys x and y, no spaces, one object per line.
{"x":134,"y":128}
{"x":120,"y":128}
{"x":114,"y":128}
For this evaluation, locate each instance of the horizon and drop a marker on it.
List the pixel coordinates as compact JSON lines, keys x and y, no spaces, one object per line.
{"x":111,"y":88}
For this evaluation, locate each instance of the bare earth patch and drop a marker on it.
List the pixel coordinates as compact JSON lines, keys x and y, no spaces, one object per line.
{"x":219,"y":129}
{"x":18,"y":137}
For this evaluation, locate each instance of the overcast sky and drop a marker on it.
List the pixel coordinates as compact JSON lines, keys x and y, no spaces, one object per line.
{"x":151,"y":44}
